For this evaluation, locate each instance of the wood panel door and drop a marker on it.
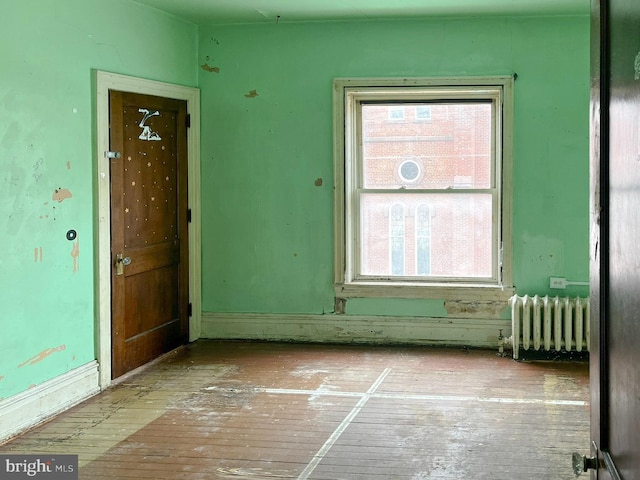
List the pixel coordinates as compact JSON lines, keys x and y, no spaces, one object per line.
{"x":149,"y":244}
{"x":615,"y":236}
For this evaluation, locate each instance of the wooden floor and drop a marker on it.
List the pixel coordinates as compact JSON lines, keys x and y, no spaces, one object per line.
{"x":263,"y":410}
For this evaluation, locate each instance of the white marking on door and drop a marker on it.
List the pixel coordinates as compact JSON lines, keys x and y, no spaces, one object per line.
{"x":147,"y":133}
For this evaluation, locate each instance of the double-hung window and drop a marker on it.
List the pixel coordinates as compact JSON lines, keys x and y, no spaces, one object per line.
{"x":423,"y":208}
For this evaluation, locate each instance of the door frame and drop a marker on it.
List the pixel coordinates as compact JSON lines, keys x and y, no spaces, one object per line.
{"x":104,"y":82}
{"x":599,"y":226}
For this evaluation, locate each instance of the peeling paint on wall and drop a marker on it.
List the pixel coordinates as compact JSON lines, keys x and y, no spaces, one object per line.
{"x":68,"y":165}
{"x":251,"y":94}
{"x":61,"y":194}
{"x":318,"y":182}
{"x":42,"y":355}
{"x":339,"y":305}
{"x":474,"y":309}
{"x":75,"y":253}
{"x":37,"y":254}
{"x":207,"y":68}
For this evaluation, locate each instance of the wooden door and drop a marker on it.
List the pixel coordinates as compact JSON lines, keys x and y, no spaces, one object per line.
{"x":615,"y":237}
{"x":149,"y":244}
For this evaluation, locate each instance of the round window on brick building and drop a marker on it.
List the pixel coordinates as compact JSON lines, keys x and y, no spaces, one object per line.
{"x":409,"y":171}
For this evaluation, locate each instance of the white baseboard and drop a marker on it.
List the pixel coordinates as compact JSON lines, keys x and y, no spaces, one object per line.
{"x":330,"y":328}
{"x":29,"y":408}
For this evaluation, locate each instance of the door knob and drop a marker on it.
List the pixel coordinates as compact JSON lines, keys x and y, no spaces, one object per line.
{"x":121,"y":262}
{"x":582,"y":463}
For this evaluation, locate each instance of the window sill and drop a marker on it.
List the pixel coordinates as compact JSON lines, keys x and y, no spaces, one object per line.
{"x":470,"y":292}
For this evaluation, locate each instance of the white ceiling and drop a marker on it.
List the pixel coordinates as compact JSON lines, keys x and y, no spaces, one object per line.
{"x":262,"y":11}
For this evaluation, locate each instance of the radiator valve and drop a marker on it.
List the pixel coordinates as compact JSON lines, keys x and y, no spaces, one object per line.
{"x":500,"y":343}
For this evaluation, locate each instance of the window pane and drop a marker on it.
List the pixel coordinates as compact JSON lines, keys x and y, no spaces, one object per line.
{"x":452,"y":150}
{"x":443,"y":235}
{"x":423,"y":240}
{"x":423,"y":112}
{"x":396,"y":238}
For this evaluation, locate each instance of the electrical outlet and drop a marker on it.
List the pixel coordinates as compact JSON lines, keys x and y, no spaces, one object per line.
{"x":557,"y":282}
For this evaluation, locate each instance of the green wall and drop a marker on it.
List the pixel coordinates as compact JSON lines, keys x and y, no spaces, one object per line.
{"x":48,"y":50}
{"x":267,"y":159}
{"x":268,"y":228}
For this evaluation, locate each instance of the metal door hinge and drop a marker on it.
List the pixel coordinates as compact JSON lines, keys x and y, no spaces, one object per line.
{"x":188,"y":120}
{"x":112,"y":155}
{"x":190,"y":310}
{"x":188,"y":215}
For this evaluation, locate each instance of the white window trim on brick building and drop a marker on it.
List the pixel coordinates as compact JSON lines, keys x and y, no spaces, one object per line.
{"x":349,"y":94}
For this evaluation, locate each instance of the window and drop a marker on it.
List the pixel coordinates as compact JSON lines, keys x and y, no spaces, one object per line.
{"x":423,"y":112}
{"x":395,"y":113}
{"x":423,"y":205}
{"x":409,"y":171}
{"x":423,"y":240}
{"x":396,"y":239}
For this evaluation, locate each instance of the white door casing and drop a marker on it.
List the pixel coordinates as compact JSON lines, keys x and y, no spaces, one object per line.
{"x":104,"y":83}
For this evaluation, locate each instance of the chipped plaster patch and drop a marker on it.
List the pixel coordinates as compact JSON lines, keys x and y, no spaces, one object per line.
{"x":75,"y":253}
{"x":210,"y":69}
{"x":339,"y":305}
{"x":61,"y":194}
{"x":474,"y":309}
{"x":42,"y":355}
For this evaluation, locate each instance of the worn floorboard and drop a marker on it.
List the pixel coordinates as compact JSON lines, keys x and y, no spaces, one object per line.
{"x":226,"y":410}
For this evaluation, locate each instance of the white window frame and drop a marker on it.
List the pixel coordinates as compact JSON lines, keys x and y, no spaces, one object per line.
{"x":349,"y":93}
